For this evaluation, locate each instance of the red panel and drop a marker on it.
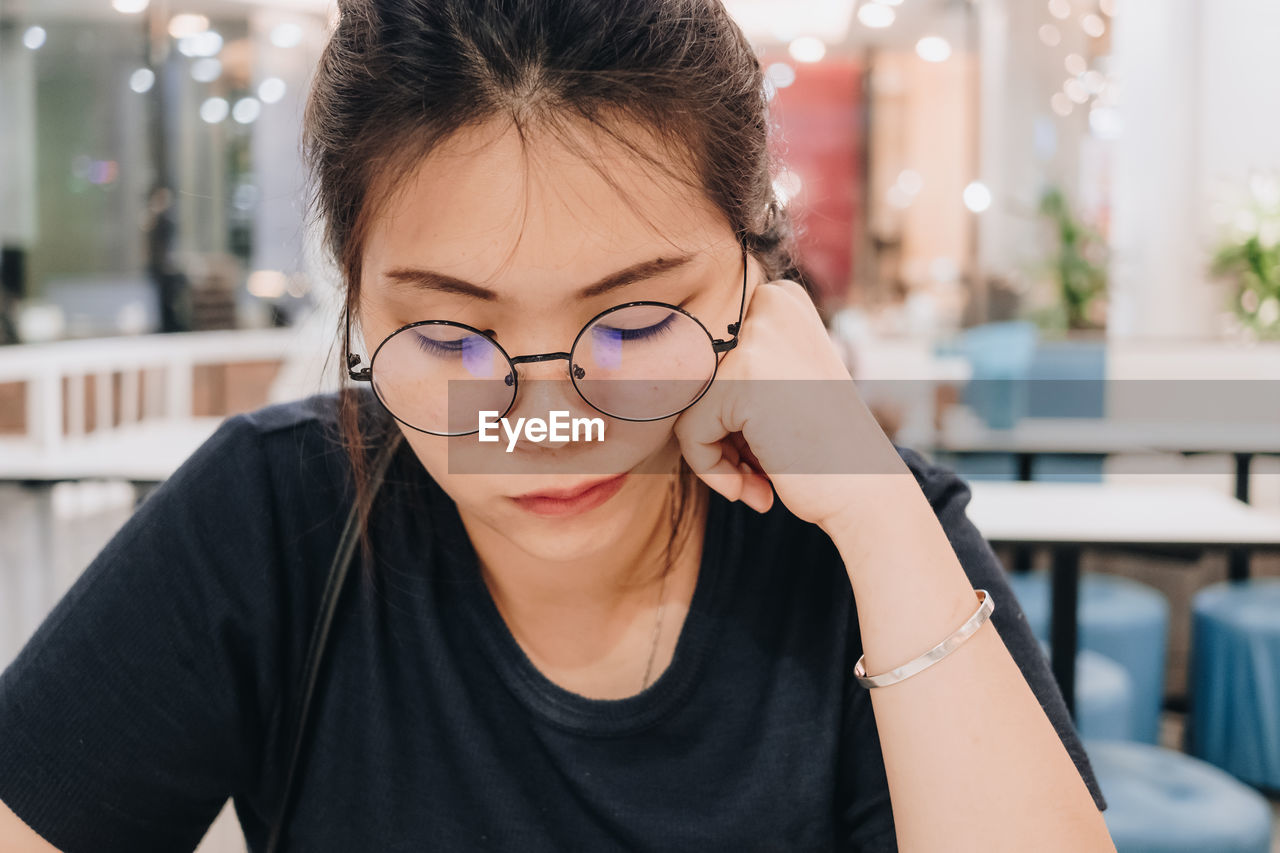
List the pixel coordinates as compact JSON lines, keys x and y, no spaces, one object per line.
{"x":818,"y":120}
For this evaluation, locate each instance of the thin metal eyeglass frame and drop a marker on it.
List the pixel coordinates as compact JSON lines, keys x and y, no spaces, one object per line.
{"x":718,"y":346}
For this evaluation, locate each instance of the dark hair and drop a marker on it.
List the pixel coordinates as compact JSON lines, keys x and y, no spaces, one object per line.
{"x":399,"y":76}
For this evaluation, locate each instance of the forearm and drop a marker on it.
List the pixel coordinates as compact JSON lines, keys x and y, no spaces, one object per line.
{"x":972,"y":761}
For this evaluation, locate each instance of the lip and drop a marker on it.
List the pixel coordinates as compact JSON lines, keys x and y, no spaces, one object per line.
{"x":580,"y":499}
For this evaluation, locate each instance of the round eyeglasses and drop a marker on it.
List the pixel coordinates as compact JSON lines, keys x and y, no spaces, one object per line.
{"x":639,"y":361}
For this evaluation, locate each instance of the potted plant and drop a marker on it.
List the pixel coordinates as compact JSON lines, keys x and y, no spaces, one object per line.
{"x":1077,"y":267}
{"x":1249,"y":259}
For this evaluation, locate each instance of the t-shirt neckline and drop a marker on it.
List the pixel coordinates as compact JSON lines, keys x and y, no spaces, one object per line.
{"x":572,"y":711}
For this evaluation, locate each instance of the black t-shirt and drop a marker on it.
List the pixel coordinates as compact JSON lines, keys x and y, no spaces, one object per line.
{"x":161,"y":684}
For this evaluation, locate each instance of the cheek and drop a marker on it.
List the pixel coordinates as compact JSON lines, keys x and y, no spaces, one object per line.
{"x":643,"y":439}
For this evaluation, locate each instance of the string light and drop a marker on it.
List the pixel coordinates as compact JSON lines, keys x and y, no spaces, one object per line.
{"x":142,"y":80}
{"x":246,"y":110}
{"x":214,"y":110}
{"x":182,"y":26}
{"x":977,"y":197}
{"x":34,"y":38}
{"x":807,"y":49}
{"x":877,"y":16}
{"x":271,"y":90}
{"x":933,"y":49}
{"x":781,"y":74}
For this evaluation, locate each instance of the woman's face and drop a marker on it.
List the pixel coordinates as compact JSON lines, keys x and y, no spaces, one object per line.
{"x":510,"y":237}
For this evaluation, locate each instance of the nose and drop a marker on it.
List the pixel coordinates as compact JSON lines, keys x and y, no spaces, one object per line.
{"x":546,"y":386}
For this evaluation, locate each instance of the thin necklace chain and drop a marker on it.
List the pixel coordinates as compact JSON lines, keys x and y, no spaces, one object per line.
{"x":662,"y":599}
{"x":657,"y":628}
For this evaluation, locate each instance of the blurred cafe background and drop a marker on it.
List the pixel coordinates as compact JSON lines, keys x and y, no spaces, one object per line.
{"x":1044,"y":233}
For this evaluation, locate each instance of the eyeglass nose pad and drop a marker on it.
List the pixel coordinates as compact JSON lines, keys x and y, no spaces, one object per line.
{"x":577,"y":372}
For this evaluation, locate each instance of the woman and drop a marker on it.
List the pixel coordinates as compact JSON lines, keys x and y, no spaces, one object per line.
{"x":641,"y":642}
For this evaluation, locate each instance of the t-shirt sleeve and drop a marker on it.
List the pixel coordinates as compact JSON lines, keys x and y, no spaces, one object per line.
{"x":138,"y":706}
{"x":865,"y":804}
{"x":949,"y":495}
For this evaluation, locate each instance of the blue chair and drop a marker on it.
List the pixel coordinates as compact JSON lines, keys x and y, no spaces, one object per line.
{"x":1121,"y":619}
{"x":1000,"y":356}
{"x":1104,"y":698}
{"x":1067,"y":379}
{"x":1162,"y":801}
{"x":1234,"y":719}
{"x":1016,"y":376}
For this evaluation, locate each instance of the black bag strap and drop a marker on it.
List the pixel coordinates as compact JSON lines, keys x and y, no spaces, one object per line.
{"x":319,"y":640}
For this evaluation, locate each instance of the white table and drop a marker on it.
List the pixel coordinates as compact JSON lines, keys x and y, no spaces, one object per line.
{"x":1032,"y":437}
{"x":1066,"y":517}
{"x":1111,"y":435}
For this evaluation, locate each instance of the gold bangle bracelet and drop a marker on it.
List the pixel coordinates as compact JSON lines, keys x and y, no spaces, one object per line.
{"x":935,"y":654}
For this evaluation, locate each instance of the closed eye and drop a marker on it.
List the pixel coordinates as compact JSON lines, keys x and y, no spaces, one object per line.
{"x":435,"y":346}
{"x":642,"y":333}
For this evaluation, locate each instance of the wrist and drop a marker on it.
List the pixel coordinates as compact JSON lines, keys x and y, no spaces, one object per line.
{"x":875,"y":502}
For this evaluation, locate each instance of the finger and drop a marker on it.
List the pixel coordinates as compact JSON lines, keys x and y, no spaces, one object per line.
{"x":727,"y":481}
{"x":702,"y":443}
{"x":700,"y":431}
{"x":757,"y":491}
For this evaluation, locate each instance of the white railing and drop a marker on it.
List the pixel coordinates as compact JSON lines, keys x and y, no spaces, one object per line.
{"x":151,"y":427}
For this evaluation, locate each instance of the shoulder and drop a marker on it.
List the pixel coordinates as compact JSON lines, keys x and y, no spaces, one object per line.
{"x":310,"y":420}
{"x":279,"y":443}
{"x":265,"y":486}
{"x":203,"y":603}
{"x":941,"y":484}
{"x":244,"y":436}
{"x":320,"y":414}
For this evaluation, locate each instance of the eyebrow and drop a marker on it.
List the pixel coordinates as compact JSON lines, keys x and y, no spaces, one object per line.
{"x":423,"y":279}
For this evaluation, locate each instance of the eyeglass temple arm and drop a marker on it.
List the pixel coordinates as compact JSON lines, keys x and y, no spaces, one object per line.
{"x":724,"y":346}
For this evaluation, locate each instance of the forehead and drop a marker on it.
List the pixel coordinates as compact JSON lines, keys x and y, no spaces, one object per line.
{"x":490,"y":200}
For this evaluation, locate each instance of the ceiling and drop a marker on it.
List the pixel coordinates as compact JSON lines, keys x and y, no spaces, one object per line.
{"x":767,"y":27}
{"x":769,"y":23}
{"x":35,"y":10}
